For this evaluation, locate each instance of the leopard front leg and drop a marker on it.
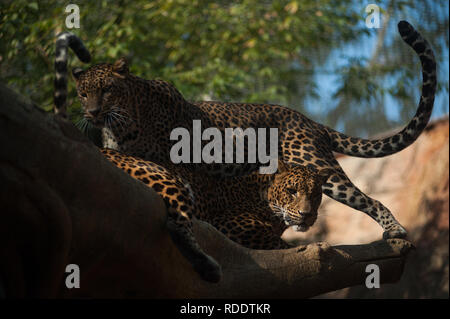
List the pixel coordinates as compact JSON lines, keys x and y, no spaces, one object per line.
{"x":180,"y":207}
{"x":340,"y":188}
{"x":180,"y":230}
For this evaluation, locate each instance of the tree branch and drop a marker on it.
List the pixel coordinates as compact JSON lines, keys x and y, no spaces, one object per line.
{"x":63,"y":203}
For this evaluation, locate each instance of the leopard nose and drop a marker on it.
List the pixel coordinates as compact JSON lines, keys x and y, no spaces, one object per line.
{"x":94,"y":112}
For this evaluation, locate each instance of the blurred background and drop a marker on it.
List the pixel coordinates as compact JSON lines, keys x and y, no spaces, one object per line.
{"x":315,"y":56}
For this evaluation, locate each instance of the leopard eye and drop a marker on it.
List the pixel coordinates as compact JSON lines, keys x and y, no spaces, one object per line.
{"x":292,"y":191}
{"x":83,"y":95}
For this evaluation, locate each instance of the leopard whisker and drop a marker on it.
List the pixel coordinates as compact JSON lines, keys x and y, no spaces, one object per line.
{"x":114,"y":117}
{"x":108,"y":121}
{"x":82,"y":125}
{"x":122,"y":112}
{"x":123,"y":118}
{"x":278,"y":210}
{"x":118,"y":112}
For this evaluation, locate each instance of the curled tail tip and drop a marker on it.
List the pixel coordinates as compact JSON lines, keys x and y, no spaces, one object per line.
{"x":75,"y":44}
{"x":408,"y":33}
{"x":405,"y":28}
{"x":85,"y":56}
{"x":64,"y":40}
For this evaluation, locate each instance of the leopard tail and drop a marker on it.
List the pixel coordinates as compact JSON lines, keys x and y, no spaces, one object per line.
{"x":358,"y":147}
{"x":63,"y":41}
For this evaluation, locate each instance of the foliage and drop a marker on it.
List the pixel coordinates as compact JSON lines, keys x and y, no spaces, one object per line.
{"x":389,"y":81}
{"x":255,"y":51}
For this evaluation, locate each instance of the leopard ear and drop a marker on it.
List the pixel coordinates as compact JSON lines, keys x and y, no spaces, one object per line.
{"x":282,"y":166}
{"x":76,"y":73}
{"x":325,"y":174}
{"x":120,"y":68}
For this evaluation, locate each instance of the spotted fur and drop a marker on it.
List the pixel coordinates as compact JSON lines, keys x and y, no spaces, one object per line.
{"x":255,"y":218}
{"x":137,"y":116}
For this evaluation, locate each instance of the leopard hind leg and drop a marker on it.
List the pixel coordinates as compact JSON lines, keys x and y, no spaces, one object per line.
{"x":340,"y":188}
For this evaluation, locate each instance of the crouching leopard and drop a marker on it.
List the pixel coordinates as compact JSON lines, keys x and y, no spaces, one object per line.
{"x":253,"y":210}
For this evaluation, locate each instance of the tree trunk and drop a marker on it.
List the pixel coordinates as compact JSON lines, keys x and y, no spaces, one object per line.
{"x":63,"y":203}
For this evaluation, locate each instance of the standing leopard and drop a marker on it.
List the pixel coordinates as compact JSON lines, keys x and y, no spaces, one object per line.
{"x":138,"y":115}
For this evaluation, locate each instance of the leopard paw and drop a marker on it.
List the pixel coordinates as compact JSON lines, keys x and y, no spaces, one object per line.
{"x":208,"y":269}
{"x":395,"y":232}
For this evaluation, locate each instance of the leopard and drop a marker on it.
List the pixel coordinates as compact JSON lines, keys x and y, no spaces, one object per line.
{"x":136,"y":117}
{"x":255,"y":212}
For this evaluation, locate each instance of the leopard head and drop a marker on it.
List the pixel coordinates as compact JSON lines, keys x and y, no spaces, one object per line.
{"x":113,"y":97}
{"x":103,"y":91}
{"x":296,"y":193}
